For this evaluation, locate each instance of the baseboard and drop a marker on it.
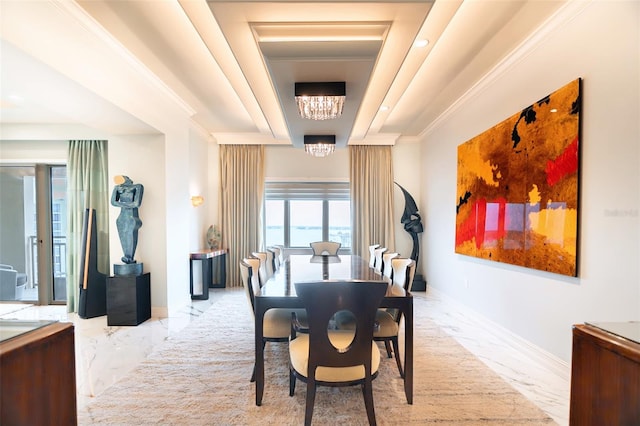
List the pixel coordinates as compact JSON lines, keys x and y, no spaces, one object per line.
{"x":525,"y":348}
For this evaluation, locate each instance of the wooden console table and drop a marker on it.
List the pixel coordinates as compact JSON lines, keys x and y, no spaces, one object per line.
{"x":207,"y":279}
{"x":37,"y":373}
{"x":605,"y":374}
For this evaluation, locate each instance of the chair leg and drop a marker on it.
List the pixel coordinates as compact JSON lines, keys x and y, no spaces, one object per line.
{"x":397,"y":353}
{"x":367,"y":391}
{"x":311,"y":397}
{"x":388,"y":347}
{"x":292,"y":382}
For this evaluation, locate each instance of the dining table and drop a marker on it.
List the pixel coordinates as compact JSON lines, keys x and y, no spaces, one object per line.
{"x":279,"y":292}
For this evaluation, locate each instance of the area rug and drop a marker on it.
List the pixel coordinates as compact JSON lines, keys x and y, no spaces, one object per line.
{"x":201,"y":377}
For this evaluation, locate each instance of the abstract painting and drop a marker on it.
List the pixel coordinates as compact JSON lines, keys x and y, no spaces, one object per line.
{"x":518,"y":184}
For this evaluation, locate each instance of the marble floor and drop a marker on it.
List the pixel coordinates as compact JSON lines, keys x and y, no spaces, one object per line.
{"x":104,"y":354}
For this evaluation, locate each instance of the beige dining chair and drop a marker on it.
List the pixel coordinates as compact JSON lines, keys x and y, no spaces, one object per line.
{"x":277,"y":322}
{"x":322,"y":248}
{"x":377,"y":254}
{"x":281,"y":254}
{"x":266,"y":264}
{"x":388,"y":320}
{"x":276,"y":257}
{"x":372,"y":254}
{"x":387,"y":271}
{"x":322,"y":357}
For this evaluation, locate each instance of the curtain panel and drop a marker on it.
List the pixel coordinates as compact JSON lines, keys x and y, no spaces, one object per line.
{"x":371,"y":179}
{"x":241,"y":201}
{"x":87,"y":188}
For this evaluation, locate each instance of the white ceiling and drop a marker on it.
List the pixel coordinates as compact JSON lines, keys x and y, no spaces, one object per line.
{"x":232,"y":64}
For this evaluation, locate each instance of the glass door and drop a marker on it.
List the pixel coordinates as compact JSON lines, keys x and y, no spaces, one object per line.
{"x":33,"y":234}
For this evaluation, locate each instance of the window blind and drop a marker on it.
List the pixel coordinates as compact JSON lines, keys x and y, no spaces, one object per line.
{"x":306,"y":190}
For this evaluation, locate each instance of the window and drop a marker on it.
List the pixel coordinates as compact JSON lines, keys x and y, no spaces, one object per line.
{"x":298,"y":213}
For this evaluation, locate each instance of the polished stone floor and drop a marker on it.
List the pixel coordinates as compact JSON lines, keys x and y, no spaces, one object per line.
{"x":104,"y":354}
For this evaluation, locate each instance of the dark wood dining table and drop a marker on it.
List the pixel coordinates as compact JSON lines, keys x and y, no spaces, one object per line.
{"x":279,"y":292}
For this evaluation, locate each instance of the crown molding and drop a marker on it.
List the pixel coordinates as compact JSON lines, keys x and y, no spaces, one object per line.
{"x":561,"y":17}
{"x":83,"y":18}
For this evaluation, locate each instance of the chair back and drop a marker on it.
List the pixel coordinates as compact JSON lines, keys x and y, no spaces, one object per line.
{"x":377,"y":253}
{"x":372,"y":254}
{"x":276,"y":257}
{"x":387,"y":270}
{"x":280,"y":253}
{"x":250,"y":280}
{"x":404,"y":270}
{"x":325,"y":248}
{"x":322,"y":300}
{"x":266,"y":265}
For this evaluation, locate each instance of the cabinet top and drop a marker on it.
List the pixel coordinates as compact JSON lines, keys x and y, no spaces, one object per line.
{"x":629,"y":330}
{"x":10,"y":328}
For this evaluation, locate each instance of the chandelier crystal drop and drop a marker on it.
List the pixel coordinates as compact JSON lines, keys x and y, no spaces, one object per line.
{"x":319,"y":145}
{"x":320,"y":107}
{"x":320,"y":101}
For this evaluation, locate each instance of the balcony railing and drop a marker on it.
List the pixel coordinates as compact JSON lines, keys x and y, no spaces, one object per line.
{"x":59,"y":259}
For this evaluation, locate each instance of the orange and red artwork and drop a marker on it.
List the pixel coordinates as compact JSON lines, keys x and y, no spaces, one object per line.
{"x":517,"y":188}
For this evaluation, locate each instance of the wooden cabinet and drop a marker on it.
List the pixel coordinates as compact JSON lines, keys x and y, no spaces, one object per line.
{"x":37,"y":374}
{"x":605,"y":374}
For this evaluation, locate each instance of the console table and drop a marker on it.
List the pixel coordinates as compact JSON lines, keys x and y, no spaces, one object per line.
{"x":605,"y":374}
{"x":200,"y":280}
{"x":37,"y":373}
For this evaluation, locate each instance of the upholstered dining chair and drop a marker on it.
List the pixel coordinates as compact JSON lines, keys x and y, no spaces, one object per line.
{"x":372,"y":254}
{"x":276,"y":257}
{"x":377,"y":254}
{"x":329,"y":248}
{"x":266,"y":264}
{"x":280,"y":253}
{"x":277,"y":322}
{"x":388,"y":320}
{"x":387,"y":271}
{"x":323,"y":357}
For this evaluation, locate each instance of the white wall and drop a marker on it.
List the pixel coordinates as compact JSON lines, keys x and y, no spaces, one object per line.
{"x":140,"y":158}
{"x":599,"y":42}
{"x":289,"y":163}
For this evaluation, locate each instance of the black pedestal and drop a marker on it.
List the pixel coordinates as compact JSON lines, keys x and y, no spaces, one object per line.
{"x":128,"y":299}
{"x":419,"y":284}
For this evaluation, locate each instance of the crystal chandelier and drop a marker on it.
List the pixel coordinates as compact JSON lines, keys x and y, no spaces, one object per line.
{"x":320,"y":101}
{"x":319,"y":145}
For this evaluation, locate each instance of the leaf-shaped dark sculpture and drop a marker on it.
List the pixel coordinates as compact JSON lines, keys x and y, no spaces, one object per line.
{"x":412,"y":221}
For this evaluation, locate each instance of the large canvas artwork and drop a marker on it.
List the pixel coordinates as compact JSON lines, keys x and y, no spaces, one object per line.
{"x":517,"y":191}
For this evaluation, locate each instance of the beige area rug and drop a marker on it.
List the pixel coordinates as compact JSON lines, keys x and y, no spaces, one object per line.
{"x":201,"y":377}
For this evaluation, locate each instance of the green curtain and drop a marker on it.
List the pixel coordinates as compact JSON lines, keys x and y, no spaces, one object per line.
{"x":371,"y":186}
{"x":87,"y":188}
{"x":242,"y":194}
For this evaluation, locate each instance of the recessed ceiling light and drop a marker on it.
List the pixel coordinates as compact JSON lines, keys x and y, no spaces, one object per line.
{"x":421,"y":43}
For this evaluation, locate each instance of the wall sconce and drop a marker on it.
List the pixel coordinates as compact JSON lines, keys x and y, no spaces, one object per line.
{"x":197,"y":200}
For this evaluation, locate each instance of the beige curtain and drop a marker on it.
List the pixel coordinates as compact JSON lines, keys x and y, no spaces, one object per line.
{"x":371,"y":180}
{"x":241,"y":201}
{"x":87,"y":188}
